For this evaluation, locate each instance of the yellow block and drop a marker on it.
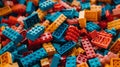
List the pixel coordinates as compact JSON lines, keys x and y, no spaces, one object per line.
{"x":5,"y":11}
{"x":82,"y":22}
{"x":45,"y":62}
{"x":41,"y":14}
{"x":115,"y":62}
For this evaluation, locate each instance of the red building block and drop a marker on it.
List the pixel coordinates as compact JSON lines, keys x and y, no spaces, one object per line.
{"x":72,"y":33}
{"x":88,"y":48}
{"x":81,"y":58}
{"x":58,"y":7}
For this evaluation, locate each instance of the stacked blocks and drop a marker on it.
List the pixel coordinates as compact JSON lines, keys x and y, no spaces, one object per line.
{"x":66,"y":47}
{"x":35,"y":32}
{"x":88,"y":48}
{"x":55,"y":60}
{"x":58,"y":33}
{"x":94,"y":62}
{"x":46,"y":5}
{"x":92,"y":26}
{"x":33,"y":57}
{"x":13,"y":35}
{"x":72,"y":33}
{"x":71,"y":61}
{"x":31,"y":20}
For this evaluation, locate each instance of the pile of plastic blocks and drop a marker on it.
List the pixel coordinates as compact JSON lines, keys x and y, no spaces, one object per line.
{"x":59,"y":33}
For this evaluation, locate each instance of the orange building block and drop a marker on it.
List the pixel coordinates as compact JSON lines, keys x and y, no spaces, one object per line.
{"x":5,"y":11}
{"x":75,"y":3}
{"x":82,"y":65}
{"x":6,"y":58}
{"x":79,"y":50}
{"x":41,"y":14}
{"x":51,"y":28}
{"x":115,"y":62}
{"x":93,"y":1}
{"x":114,"y":24}
{"x":107,"y":65}
{"x":49,"y":48}
{"x":82,"y":22}
{"x":115,"y":47}
{"x":46,"y":23}
{"x":91,"y":15}
{"x":11,"y":65}
{"x":102,"y":40}
{"x":45,"y":62}
{"x":98,"y":9}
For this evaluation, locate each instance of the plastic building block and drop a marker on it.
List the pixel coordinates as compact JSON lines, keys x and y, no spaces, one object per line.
{"x":13,"y":35}
{"x":52,"y":27}
{"x":36,"y":65}
{"x":75,"y":3}
{"x":46,"y":5}
{"x":73,"y":21}
{"x":105,"y":1}
{"x":19,"y":8}
{"x":94,"y":62}
{"x":69,"y":13}
{"x":6,"y":58}
{"x":71,"y":61}
{"x":21,"y":49}
{"x":58,"y":7}
{"x":92,"y":26}
{"x":102,"y":40}
{"x":81,"y":58}
{"x":56,"y":46}
{"x":115,"y":62}
{"x":9,"y":47}
{"x":72,"y":33}
{"x":30,"y":7}
{"x":53,"y":17}
{"x":11,"y":65}
{"x":35,"y":32}
{"x":41,"y":14}
{"x":34,"y":57}
{"x":112,"y":31}
{"x":116,"y":1}
{"x":88,"y":48}
{"x":55,"y":60}
{"x":82,"y":22}
{"x":21,"y":1}
{"x":82,"y":65}
{"x":114,"y":24}
{"x":85,"y":5}
{"x":115,"y":47}
{"x":49,"y":48}
{"x":45,"y":62}
{"x":66,"y":47}
{"x":91,"y":15}
{"x":58,"y":33}
{"x":5,"y":11}
{"x":31,"y":20}
{"x":46,"y":23}
{"x":65,"y":5}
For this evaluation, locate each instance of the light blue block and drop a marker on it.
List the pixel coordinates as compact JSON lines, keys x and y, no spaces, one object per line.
{"x":71,"y":61}
{"x":30,"y":7}
{"x":95,"y":62}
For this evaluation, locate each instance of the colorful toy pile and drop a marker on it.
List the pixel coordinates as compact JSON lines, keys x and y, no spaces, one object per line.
{"x":59,"y":33}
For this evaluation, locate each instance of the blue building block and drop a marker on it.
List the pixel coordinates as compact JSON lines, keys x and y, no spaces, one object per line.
{"x":85,"y":5}
{"x":95,"y":62}
{"x":31,"y":20}
{"x":9,"y":47}
{"x":30,"y":7}
{"x":16,"y":56}
{"x":61,"y":40}
{"x":46,"y":5}
{"x":76,"y":14}
{"x":35,"y":32}
{"x":69,"y":13}
{"x":112,"y":31}
{"x":1,"y":3}
{"x":116,"y":1}
{"x":41,"y":1}
{"x":58,"y":33}
{"x":53,"y":17}
{"x":33,"y":58}
{"x":71,"y":61}
{"x":11,"y":34}
{"x":55,"y":60}
{"x":21,"y":49}
{"x":21,"y":1}
{"x":102,"y":51}
{"x":92,"y":26}
{"x":66,"y":47}
{"x":118,"y":36}
{"x":56,"y":46}
{"x":36,"y":65}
